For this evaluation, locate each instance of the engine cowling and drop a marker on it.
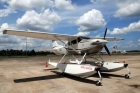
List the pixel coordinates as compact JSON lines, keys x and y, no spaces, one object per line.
{"x":60,"y":50}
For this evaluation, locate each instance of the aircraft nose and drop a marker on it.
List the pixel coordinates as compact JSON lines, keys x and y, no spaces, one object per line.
{"x":104,"y":41}
{"x":99,"y":42}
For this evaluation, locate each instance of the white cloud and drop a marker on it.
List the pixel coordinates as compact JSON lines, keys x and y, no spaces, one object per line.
{"x":91,"y":21}
{"x":29,"y":4}
{"x":3,"y":26}
{"x":130,"y":45}
{"x":133,"y":27}
{"x":3,"y":1}
{"x":82,"y":33}
{"x":75,"y":14}
{"x":94,"y":1}
{"x":41,"y":4}
{"x":65,"y":4}
{"x":35,"y":44}
{"x":129,"y":42}
{"x":6,"y":12}
{"x":128,"y":8}
{"x":138,"y":42}
{"x":8,"y":41}
{"x":38,"y":21}
{"x":98,"y":35}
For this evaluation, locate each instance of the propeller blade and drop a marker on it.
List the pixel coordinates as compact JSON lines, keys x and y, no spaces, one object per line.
{"x":107,"y":50}
{"x":105,"y":33}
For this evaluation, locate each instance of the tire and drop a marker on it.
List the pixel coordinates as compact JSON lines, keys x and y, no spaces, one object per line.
{"x":126,"y":76}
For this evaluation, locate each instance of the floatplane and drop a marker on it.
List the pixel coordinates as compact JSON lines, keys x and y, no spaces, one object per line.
{"x":78,"y":45}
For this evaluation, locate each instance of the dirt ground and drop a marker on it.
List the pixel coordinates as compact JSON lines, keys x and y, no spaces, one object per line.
{"x":26,"y":75}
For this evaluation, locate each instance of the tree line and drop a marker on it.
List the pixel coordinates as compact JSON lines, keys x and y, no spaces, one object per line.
{"x":12,"y":52}
{"x":134,"y":51}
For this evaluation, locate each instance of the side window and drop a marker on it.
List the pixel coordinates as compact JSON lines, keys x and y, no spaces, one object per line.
{"x":74,"y":42}
{"x":69,"y":43}
{"x":79,"y":39}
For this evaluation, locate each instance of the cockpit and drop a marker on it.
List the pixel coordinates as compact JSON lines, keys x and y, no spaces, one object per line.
{"x":77,"y":40}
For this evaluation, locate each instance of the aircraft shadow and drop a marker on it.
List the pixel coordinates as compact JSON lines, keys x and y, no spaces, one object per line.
{"x":85,"y":80}
{"x":135,"y":86}
{"x":37,"y":78}
{"x":51,"y":69}
{"x":107,"y":75}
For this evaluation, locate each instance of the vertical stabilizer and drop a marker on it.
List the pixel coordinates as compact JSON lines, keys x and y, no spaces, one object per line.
{"x":54,"y":43}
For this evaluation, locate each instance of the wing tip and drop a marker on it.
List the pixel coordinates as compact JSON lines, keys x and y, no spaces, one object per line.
{"x":123,"y":38}
{"x":119,"y":38}
{"x":4,"y":31}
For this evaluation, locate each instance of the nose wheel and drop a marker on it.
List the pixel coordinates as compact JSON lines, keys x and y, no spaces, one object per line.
{"x":98,"y":83}
{"x":127,"y":76}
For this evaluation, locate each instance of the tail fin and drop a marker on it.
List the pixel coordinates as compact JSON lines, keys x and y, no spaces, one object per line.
{"x":54,"y":43}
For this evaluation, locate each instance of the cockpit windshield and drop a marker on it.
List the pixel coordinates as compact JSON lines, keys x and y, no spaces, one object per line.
{"x":77,"y":40}
{"x":82,"y":37}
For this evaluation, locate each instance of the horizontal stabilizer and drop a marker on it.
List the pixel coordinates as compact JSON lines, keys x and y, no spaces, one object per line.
{"x":53,"y":64}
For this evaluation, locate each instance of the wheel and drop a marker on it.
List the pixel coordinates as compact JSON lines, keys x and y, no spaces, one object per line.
{"x":127,"y":76}
{"x":98,"y":83}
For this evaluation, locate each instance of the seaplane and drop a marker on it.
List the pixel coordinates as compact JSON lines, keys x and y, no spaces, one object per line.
{"x":74,"y":45}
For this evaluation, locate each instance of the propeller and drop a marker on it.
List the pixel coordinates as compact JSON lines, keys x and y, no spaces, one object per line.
{"x":107,"y":50}
{"x":105,"y":33}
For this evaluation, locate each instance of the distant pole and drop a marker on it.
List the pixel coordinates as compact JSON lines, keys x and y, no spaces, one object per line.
{"x":26,"y":46}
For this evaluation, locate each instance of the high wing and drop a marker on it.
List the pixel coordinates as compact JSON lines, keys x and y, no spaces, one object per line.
{"x":51,"y":36}
{"x":108,"y":38}
{"x":40,"y":35}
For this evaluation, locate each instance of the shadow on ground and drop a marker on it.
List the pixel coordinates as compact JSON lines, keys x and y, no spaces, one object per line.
{"x":135,"y":86}
{"x":84,"y":80}
{"x":37,"y":78}
{"x":60,"y":75}
{"x":107,"y":75}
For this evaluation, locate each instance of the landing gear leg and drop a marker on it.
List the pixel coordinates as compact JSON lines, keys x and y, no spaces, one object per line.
{"x":98,"y":83}
{"x":98,"y":58}
{"x":62,"y":58}
{"x":101,"y":57}
{"x":127,"y":76}
{"x":85,"y":60}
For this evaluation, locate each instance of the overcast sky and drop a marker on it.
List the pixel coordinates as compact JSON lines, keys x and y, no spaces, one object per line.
{"x":74,"y":17}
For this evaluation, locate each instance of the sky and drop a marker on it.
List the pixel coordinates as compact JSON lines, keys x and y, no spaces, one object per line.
{"x":72,"y":17}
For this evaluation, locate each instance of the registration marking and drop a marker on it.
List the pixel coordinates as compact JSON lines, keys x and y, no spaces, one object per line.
{"x":86,"y":67}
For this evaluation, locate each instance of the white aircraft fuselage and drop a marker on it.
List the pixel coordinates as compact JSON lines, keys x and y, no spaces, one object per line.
{"x":88,"y":46}
{"x":84,"y":45}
